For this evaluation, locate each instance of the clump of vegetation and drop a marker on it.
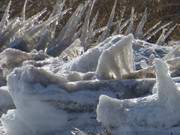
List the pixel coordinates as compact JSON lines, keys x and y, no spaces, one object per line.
{"x":54,"y":31}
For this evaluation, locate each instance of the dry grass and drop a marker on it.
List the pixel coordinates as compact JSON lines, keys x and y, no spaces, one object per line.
{"x":165,"y":10}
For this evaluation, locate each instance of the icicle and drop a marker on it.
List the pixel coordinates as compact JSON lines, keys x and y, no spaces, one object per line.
{"x":115,"y":32}
{"x":37,"y":29}
{"x":78,"y":33}
{"x":58,"y":8}
{"x":73,"y":51}
{"x":10,"y":32}
{"x":45,"y":38}
{"x":35,"y":17}
{"x":122,"y":15}
{"x":92,"y":25}
{"x":102,"y":29}
{"x":161,"y":38}
{"x":118,"y":28}
{"x":24,"y":11}
{"x":123,"y":26}
{"x":66,"y":35}
{"x":152,"y":29}
{"x":91,"y":33}
{"x":29,"y":23}
{"x":71,"y":25}
{"x":131,"y":25}
{"x":171,"y":53}
{"x":139,"y":30}
{"x":157,"y":30}
{"x":92,"y":6}
{"x":33,"y":35}
{"x":86,"y":27}
{"x":165,"y":35}
{"x":170,"y":31}
{"x":106,"y":33}
{"x":85,"y":30}
{"x":5,"y":17}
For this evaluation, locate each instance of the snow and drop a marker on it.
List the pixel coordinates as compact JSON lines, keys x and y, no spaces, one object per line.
{"x":89,"y":60}
{"x":6,"y":101}
{"x":44,"y":101}
{"x":52,"y":96}
{"x":159,"y":110}
{"x":74,"y":50}
{"x":116,"y":60}
{"x":94,"y":83}
{"x":11,"y":58}
{"x":35,"y":118}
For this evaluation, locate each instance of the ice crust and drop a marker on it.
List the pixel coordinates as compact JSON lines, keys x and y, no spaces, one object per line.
{"x":39,"y":96}
{"x":159,"y":110}
{"x":52,"y":96}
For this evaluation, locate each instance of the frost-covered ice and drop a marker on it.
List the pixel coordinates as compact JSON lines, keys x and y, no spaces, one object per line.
{"x":142,"y":51}
{"x":11,"y":58}
{"x":66,"y":93}
{"x":116,"y":60}
{"x":6,"y":101}
{"x":53,"y":95}
{"x":42,"y":99}
{"x":159,"y":111}
{"x":34,"y":118}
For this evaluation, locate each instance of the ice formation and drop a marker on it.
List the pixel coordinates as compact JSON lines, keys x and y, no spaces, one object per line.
{"x":69,"y":89}
{"x":51,"y":95}
{"x":160,"y":110}
{"x":11,"y":58}
{"x":74,"y":50}
{"x":61,"y":105}
{"x":6,"y":101}
{"x":88,"y":61}
{"x":32,"y":116}
{"x":116,"y":60}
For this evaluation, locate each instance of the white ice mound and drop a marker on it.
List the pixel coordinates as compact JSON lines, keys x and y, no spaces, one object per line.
{"x":11,"y":58}
{"x":74,"y":50}
{"x":6,"y":101}
{"x":47,"y":104}
{"x":116,"y":60}
{"x":31,"y":115}
{"x":35,"y":118}
{"x":160,"y":110}
{"x":89,"y":60}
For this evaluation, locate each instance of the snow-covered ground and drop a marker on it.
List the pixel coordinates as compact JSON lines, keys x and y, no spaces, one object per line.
{"x":47,"y":102}
{"x":107,"y":83}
